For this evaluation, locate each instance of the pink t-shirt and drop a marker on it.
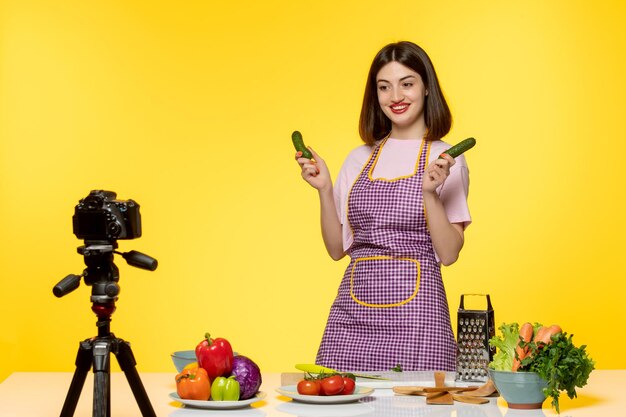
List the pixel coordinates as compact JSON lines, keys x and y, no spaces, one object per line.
{"x":397,"y":159}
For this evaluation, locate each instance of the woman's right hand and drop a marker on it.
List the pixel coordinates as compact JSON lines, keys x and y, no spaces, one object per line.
{"x":315,"y":171}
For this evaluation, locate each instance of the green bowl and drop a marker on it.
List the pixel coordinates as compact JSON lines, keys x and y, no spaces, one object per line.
{"x":521,"y":390}
{"x":182,"y":358}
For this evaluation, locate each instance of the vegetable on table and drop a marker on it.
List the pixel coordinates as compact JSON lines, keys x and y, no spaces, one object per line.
{"x":333,"y":383}
{"x":397,"y":368}
{"x":193,"y":384}
{"x":525,"y":336}
{"x":562,"y":364}
{"x":459,"y":148}
{"x":248,"y":374}
{"x":551,"y":354}
{"x":309,"y":387}
{"x":298,"y":143}
{"x":191,"y":365}
{"x":349,"y":385}
{"x":215,"y":356}
{"x":505,"y":345}
{"x":225,"y":389}
{"x":544,"y":334}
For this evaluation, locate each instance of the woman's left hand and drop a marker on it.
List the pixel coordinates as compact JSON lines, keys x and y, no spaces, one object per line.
{"x":436,"y":173}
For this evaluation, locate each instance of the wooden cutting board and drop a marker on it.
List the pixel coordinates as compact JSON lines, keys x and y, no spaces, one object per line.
{"x":415,"y":390}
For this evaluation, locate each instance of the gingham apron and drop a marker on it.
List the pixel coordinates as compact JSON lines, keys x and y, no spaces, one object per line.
{"x":391,"y":307}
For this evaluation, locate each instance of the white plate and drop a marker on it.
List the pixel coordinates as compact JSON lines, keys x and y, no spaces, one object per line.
{"x":218,"y":405}
{"x":291,"y":391}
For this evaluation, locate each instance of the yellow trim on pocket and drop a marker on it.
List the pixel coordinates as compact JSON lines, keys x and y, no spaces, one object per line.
{"x":378,"y":258}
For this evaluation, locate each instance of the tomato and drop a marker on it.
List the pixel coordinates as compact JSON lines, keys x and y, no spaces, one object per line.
{"x":309,"y":387}
{"x":332,"y":385}
{"x":348,"y":386}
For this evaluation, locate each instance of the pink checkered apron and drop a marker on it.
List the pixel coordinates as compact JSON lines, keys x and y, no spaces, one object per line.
{"x":391,"y":307}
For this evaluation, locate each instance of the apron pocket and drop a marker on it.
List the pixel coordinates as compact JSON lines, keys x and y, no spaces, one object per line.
{"x":384,"y":281}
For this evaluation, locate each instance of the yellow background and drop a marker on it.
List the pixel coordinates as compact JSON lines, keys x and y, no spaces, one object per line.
{"x":187,"y":108}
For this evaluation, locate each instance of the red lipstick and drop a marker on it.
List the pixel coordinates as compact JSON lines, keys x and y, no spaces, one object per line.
{"x":399,"y":108}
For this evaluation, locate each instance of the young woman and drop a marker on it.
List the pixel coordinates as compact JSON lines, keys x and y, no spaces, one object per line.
{"x":399,"y":211}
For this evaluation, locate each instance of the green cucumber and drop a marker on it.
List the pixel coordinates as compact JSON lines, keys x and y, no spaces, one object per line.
{"x":459,"y":148}
{"x":298,"y":143}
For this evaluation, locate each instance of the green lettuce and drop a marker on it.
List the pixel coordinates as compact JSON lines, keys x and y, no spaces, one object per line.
{"x":505,"y":345}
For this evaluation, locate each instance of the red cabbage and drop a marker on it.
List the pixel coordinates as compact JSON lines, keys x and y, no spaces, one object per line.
{"x":248,"y":374}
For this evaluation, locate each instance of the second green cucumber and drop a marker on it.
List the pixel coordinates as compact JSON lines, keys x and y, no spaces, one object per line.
{"x":459,"y":148}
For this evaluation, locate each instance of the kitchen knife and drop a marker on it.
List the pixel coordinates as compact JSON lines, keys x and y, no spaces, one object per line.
{"x":319,"y":369}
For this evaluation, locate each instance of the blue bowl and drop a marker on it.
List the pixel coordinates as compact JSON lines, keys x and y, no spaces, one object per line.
{"x":182,"y":358}
{"x":521,"y":390}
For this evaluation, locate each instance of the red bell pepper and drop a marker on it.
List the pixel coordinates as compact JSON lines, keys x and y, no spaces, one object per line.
{"x":215,"y":356}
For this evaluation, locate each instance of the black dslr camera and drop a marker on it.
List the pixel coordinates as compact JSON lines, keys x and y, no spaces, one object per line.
{"x":99,"y":216}
{"x":99,"y":219}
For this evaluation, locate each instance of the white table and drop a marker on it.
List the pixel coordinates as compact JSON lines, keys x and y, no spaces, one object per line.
{"x":41,"y":394}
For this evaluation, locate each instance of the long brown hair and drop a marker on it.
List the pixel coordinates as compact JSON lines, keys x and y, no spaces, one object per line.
{"x":373,"y":124}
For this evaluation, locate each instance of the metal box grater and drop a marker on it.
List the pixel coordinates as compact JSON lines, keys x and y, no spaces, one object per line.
{"x":474,"y":329}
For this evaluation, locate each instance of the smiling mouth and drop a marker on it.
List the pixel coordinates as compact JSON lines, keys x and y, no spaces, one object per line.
{"x":399,"y":108}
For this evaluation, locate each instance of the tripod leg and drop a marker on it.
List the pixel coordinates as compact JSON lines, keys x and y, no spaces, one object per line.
{"x":101,"y":395}
{"x":102,"y":378}
{"x":127,"y":363}
{"x":83,"y":364}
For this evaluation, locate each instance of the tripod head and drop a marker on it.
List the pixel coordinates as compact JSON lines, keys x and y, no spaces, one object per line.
{"x":101,"y":273}
{"x":100,"y":219}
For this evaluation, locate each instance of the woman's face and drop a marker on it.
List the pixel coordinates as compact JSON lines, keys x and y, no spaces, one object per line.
{"x":401,"y":94}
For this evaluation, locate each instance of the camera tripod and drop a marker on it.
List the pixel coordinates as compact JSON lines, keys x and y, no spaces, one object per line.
{"x":97,"y":352}
{"x":102,"y":275}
